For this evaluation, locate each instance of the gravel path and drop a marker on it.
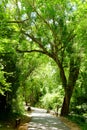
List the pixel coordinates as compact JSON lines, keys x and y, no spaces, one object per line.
{"x":40,"y":120}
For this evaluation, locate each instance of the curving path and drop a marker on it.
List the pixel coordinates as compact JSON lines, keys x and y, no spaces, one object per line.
{"x":40,"y":120}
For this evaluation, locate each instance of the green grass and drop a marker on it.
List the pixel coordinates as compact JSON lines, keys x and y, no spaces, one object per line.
{"x":80,"y":120}
{"x":84,"y":126}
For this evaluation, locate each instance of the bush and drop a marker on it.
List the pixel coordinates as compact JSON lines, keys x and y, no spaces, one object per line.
{"x":51,"y":100}
{"x":79,"y":119}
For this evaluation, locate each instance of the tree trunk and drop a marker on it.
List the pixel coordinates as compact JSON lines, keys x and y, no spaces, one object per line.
{"x":73,"y":76}
{"x":66,"y":103}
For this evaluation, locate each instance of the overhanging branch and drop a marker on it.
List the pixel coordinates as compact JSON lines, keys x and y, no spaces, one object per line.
{"x":30,"y":51}
{"x":36,"y":40}
{"x":6,"y":53}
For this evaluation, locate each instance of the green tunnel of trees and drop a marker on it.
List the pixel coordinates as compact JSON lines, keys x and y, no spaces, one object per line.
{"x":43,"y":50}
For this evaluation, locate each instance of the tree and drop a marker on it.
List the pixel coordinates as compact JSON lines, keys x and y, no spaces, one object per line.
{"x":78,"y":102}
{"x":51,"y":27}
{"x":28,"y":65}
{"x":9,"y":71}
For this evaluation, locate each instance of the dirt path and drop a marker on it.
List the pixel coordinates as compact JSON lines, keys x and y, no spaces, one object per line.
{"x":40,"y":120}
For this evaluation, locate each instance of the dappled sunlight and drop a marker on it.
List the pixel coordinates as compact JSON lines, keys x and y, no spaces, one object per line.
{"x":44,"y":121}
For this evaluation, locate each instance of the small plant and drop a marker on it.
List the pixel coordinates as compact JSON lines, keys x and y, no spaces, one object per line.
{"x":80,"y":120}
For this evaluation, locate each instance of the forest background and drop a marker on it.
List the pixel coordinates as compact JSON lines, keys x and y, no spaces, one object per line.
{"x":43,"y":50}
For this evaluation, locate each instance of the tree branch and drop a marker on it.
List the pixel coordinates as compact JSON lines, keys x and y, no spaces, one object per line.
{"x":6,"y":53}
{"x":18,"y":21}
{"x":30,"y":51}
{"x":37,"y":40}
{"x":45,"y":21}
{"x":71,"y":36}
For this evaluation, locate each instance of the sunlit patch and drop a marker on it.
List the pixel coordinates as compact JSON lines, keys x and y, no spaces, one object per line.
{"x":44,"y":121}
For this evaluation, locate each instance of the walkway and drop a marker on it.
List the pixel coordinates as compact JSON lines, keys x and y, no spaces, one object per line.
{"x":40,"y":120}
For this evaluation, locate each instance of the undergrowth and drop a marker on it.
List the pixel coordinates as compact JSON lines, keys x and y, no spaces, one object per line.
{"x":80,"y":120}
{"x":7,"y":122}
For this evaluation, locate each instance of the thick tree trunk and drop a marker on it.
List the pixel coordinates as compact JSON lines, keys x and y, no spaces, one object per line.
{"x":73,"y":76}
{"x":68,"y":84}
{"x":66,"y":104}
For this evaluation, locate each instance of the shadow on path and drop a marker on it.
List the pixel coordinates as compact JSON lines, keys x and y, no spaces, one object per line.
{"x":40,"y":120}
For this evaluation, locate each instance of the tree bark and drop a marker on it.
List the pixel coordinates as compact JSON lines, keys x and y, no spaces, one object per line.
{"x":66,"y":101}
{"x":65,"y":106}
{"x":73,"y":76}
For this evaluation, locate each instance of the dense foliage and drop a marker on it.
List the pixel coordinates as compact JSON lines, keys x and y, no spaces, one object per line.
{"x":55,"y":32}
